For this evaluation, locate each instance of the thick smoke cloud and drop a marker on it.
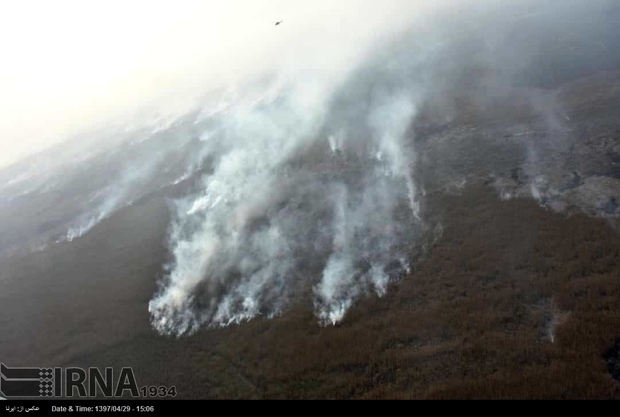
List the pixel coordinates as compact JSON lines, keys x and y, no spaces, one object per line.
{"x":315,"y":188}
{"x":311,"y":154}
{"x":292,"y":185}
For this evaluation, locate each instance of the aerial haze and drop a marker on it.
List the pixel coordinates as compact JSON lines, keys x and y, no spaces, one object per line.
{"x":70,"y":66}
{"x":201,"y":170}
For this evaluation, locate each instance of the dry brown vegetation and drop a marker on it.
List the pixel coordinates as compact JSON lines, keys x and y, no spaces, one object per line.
{"x":514,"y":301}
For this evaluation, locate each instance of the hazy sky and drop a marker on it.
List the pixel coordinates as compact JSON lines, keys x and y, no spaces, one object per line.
{"x":67,"y":64}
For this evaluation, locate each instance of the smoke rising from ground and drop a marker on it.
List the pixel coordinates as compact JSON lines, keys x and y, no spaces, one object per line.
{"x":290,"y":186}
{"x":312,"y":144}
{"x":314,"y":185}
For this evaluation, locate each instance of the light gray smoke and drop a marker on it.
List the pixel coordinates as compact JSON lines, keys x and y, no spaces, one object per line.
{"x":309,"y":147}
{"x":294,"y":183}
{"x":314,"y":187}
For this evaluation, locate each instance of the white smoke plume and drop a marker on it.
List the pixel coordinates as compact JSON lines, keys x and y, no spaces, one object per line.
{"x":313,"y":189}
{"x":301,"y":141}
{"x":293,"y":185}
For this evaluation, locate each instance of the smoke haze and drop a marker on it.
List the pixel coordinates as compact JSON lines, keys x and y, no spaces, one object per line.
{"x":306,"y":141}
